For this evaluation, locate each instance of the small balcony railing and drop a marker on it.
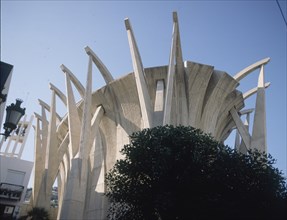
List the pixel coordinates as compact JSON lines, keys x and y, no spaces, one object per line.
{"x":10,"y":191}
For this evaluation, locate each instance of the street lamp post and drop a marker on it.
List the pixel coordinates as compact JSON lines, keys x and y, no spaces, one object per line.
{"x":13,"y":115}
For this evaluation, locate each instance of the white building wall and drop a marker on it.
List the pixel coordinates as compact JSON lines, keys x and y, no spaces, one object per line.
{"x":18,"y":172}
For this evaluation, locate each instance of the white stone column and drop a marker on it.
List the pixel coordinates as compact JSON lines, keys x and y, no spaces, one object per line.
{"x":258,"y":140}
{"x":75,"y":193}
{"x":143,"y":95}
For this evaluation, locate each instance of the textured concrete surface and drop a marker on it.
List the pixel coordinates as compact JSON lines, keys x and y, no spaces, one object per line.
{"x":80,"y":148}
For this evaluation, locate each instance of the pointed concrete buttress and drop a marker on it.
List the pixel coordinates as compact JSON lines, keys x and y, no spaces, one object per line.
{"x":101,"y":66}
{"x":258,"y":140}
{"x":144,"y":98}
{"x":181,"y":101}
{"x":74,"y":121}
{"x":75,"y":193}
{"x":171,"y":75}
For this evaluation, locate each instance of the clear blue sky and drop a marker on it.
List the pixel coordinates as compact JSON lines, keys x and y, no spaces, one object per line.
{"x":38,"y":36}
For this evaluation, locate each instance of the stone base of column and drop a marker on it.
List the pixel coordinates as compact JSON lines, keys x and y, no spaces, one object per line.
{"x":75,"y":192}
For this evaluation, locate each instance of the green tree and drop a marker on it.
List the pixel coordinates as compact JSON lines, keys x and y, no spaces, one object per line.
{"x":36,"y":213}
{"x":181,"y":173}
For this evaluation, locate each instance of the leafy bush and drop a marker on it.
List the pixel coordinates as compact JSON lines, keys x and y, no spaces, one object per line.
{"x":181,"y":173}
{"x":36,"y":213}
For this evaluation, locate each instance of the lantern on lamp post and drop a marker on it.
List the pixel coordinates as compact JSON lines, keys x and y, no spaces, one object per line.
{"x":13,"y":115}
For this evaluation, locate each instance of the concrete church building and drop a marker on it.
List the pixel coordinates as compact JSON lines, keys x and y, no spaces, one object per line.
{"x":80,"y":148}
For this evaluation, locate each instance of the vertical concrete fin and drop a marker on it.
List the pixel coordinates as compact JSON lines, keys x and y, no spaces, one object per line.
{"x":44,"y":195}
{"x":37,"y":116}
{"x":178,"y":53}
{"x":73,"y":118}
{"x":66,"y":164}
{"x":75,"y":193}
{"x":85,"y":136}
{"x":143,"y":95}
{"x":44,"y":106}
{"x":61,"y":186}
{"x":38,"y":160}
{"x":182,"y":101}
{"x":98,"y":160}
{"x":74,"y":79}
{"x":52,"y":135}
{"x":170,"y":75}
{"x":241,"y":128}
{"x":176,"y":72}
{"x":59,"y":93}
{"x":86,"y":117}
{"x":261,"y":78}
{"x":47,"y":107}
{"x":52,"y":147}
{"x":101,"y":66}
{"x":44,"y":131}
{"x":258,"y":140}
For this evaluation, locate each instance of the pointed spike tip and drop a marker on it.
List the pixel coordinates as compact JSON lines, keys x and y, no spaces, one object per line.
{"x":51,"y":86}
{"x":63,"y":68}
{"x":88,"y":50}
{"x":261,"y":77}
{"x":267,"y":84}
{"x":38,"y":116}
{"x":127,"y":23}
{"x":268,"y":59}
{"x":174,"y":15}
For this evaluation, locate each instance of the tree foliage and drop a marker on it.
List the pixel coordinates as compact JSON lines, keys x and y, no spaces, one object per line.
{"x":36,"y":213}
{"x":181,"y":173}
